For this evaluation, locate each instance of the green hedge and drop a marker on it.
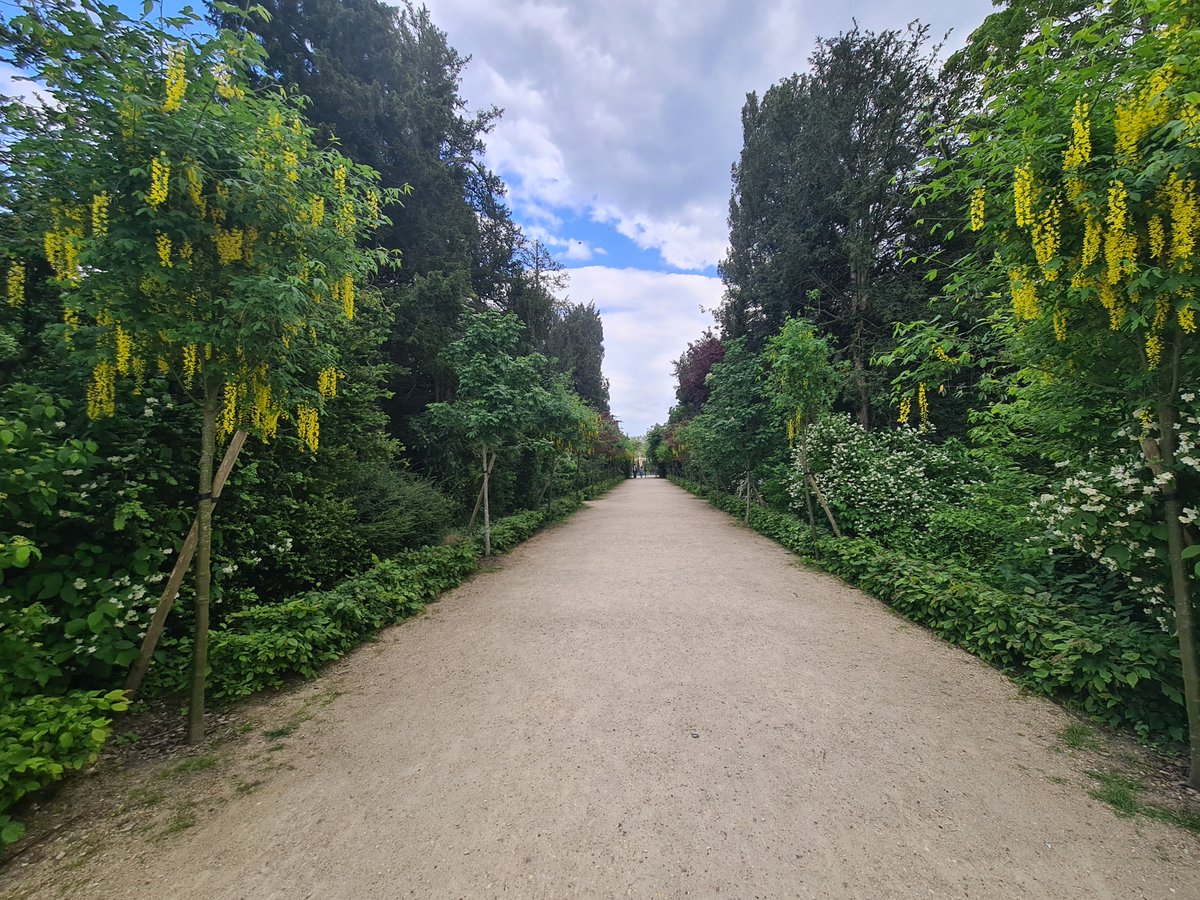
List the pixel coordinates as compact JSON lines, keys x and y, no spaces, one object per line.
{"x":1120,"y":672}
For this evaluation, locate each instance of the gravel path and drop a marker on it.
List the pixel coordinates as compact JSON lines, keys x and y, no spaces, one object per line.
{"x":651,"y":701}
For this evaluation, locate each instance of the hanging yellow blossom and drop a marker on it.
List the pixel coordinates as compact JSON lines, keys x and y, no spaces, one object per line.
{"x":339,"y":181}
{"x":291,"y":161}
{"x":1187,"y":312}
{"x":16,"y":284}
{"x":905,"y":410}
{"x":923,"y":405}
{"x":191,"y":364}
{"x":347,"y":295}
{"x":228,"y":243}
{"x":1079,"y":152}
{"x":346,"y":220}
{"x":229,"y":409}
{"x":1023,"y":195}
{"x":1139,"y":114}
{"x":1154,"y":348}
{"x":327,"y":382}
{"x":1185,"y":218}
{"x":160,"y":180}
{"x":977,"y":208}
{"x":226,"y":89}
{"x":1112,"y":302}
{"x":1093,"y":230}
{"x":186,"y":250}
{"x":163,"y":244}
{"x":71,"y":320}
{"x":1046,"y":236}
{"x":164,"y":368}
{"x":308,"y":425}
{"x":316,"y":210}
{"x":1158,"y":236}
{"x":102,"y":392}
{"x":100,"y":214}
{"x":176,"y":79}
{"x":1024,"y":294}
{"x":1120,"y":243}
{"x":1060,"y":325}
{"x":124,"y":342}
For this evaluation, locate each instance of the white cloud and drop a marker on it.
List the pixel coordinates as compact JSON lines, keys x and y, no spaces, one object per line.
{"x":629,"y":113}
{"x":649,"y":318}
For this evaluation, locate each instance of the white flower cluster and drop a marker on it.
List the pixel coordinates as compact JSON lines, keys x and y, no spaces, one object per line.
{"x":1110,"y":509}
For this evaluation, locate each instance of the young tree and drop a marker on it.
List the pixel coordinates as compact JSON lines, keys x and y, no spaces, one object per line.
{"x":1083,"y":185}
{"x":805,"y":383}
{"x":192,"y":226}
{"x":734,"y":433}
{"x":499,"y":397}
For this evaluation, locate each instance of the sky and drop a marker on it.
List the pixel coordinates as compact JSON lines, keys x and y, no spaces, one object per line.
{"x":621,"y":121}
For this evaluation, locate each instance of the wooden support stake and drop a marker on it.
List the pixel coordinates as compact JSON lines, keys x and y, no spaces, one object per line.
{"x":479,"y":498}
{"x":825,"y":506}
{"x":184,"y":562}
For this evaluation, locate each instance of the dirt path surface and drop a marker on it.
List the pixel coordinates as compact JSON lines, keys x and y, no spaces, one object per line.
{"x":651,"y":701}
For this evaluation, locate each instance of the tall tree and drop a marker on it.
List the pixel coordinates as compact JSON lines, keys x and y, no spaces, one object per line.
{"x":577,"y":347}
{"x":821,"y":209}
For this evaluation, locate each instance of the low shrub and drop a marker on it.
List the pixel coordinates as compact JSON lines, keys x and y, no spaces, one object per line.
{"x":1121,"y":672}
{"x":43,"y":738}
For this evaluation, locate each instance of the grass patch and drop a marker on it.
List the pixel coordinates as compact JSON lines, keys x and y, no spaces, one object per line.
{"x":1079,"y":737}
{"x":278,"y":734}
{"x":183,"y":819}
{"x":191,"y":766}
{"x":1123,"y":794}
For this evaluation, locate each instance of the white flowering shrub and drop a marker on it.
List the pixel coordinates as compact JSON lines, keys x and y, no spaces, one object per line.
{"x":901,"y":487}
{"x":1108,"y":509}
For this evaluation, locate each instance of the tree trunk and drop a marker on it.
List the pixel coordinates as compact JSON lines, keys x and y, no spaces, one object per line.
{"x":747,"y":496}
{"x":808,"y":500}
{"x":137,"y":674}
{"x":208,"y":440}
{"x":859,"y":304}
{"x":487,"y":512}
{"x":1185,"y":613}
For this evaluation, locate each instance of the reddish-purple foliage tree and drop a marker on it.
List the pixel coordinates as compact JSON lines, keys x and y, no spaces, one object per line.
{"x":691,"y":371}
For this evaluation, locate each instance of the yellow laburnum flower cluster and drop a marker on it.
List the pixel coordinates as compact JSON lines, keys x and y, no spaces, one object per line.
{"x":1187,"y":311}
{"x":1047,"y":233}
{"x":1023,"y":195}
{"x":1079,"y":151}
{"x":160,"y":180}
{"x":346,"y":220}
{"x":978,"y":209}
{"x":1157,"y":233}
{"x":1138,"y":115}
{"x":1093,"y":231}
{"x":339,"y":180}
{"x":1120,"y":241}
{"x":343,"y":293}
{"x":16,"y":284}
{"x":264,"y":414}
{"x":226,"y":89}
{"x":905,"y":410}
{"x":1024,"y":294}
{"x":191,"y":364}
{"x":61,"y":244}
{"x":163,"y":244}
{"x":100,"y":214}
{"x":124,"y":345}
{"x":229,"y":244}
{"x":291,"y":162}
{"x":229,"y":409}
{"x":1111,"y":301}
{"x":923,"y":405}
{"x":308,"y":424}
{"x":1060,"y":325}
{"x":102,"y":391}
{"x":176,"y":79}
{"x":1185,"y":218}
{"x":327,"y":382}
{"x":316,"y":210}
